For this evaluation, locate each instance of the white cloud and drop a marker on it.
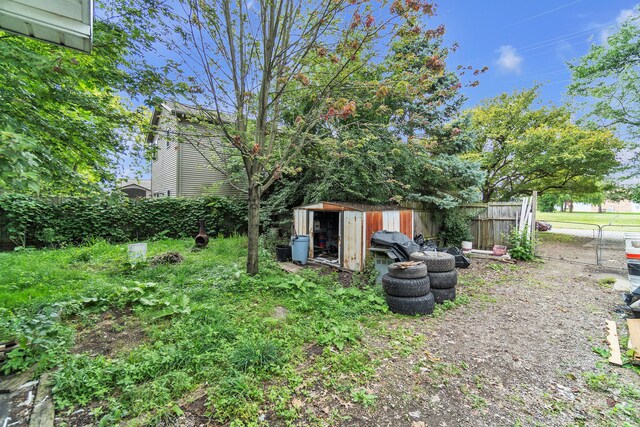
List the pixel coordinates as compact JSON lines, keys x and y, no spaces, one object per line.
{"x":509,"y":60}
{"x":623,"y":15}
{"x":626,"y":14}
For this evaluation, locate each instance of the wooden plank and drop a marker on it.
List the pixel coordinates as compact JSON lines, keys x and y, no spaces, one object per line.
{"x":614,"y":343}
{"x":289,"y":267}
{"x":634,"y":337}
{"x":43,"y":412}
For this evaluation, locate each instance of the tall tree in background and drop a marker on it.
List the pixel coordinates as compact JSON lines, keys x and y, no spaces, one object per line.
{"x":608,"y":76}
{"x":524,"y":149}
{"x":247,"y":63}
{"x":404,"y":141}
{"x":63,"y":122}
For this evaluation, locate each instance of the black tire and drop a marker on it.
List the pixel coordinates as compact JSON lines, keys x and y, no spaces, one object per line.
{"x":411,"y":306}
{"x":444,"y":279}
{"x":405,"y":287}
{"x":442,"y":295}
{"x":436,"y":262}
{"x":400,"y":270}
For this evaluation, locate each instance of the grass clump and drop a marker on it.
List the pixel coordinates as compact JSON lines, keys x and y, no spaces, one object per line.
{"x":606,"y":282}
{"x":256,"y":353}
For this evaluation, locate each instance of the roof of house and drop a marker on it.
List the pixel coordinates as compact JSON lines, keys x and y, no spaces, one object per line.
{"x":181,"y":110}
{"x":144,"y":184}
{"x":348,"y":206}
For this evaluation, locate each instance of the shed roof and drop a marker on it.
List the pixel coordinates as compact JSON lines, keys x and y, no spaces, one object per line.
{"x":348,"y":206}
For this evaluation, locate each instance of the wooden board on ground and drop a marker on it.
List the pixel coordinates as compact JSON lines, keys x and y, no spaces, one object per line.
{"x":476,"y":253}
{"x":634,"y":337}
{"x":614,"y":343}
{"x":43,"y":412}
{"x":290,"y":267}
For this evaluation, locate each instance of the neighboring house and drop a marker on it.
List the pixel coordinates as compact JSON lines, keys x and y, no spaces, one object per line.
{"x":179,"y":168}
{"x":136,"y":188}
{"x":623,"y":206}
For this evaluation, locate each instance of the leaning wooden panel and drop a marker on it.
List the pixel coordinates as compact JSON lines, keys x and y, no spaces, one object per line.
{"x":614,"y":344}
{"x":634,"y":337}
{"x":352,"y":240}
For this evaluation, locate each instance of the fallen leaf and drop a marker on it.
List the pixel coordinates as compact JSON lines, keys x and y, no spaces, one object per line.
{"x":297,"y":403}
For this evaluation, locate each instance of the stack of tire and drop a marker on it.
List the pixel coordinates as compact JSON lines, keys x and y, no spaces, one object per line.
{"x":407,"y":288}
{"x":443,"y":276}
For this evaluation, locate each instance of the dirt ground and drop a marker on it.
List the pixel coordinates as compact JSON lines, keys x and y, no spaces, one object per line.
{"x":516,"y":356}
{"x":114,"y":332}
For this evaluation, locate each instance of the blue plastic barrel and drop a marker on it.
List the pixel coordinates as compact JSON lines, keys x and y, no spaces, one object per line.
{"x":300,"y":249}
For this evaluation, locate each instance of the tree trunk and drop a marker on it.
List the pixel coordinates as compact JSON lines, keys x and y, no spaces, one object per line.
{"x":253,"y":231}
{"x":486,"y":195}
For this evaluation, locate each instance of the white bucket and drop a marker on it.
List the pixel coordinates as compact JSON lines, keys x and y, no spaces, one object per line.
{"x":137,"y":252}
{"x":632,"y":243}
{"x":467,"y":246}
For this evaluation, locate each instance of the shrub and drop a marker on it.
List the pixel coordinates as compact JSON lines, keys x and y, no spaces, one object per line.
{"x":521,"y":247}
{"x":455,"y":228}
{"x":31,"y":221}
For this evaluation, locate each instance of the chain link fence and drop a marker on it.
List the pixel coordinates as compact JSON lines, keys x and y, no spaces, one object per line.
{"x":575,"y":242}
{"x":612,"y":245}
{"x":585,"y":243}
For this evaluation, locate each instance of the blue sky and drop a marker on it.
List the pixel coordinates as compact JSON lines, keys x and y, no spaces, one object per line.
{"x":523,"y":42}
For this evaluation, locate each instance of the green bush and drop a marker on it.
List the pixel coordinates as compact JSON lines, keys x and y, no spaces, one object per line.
{"x":521,"y":247}
{"x":31,"y":221}
{"x":455,"y":229}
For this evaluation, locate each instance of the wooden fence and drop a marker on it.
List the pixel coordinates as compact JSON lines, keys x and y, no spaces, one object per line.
{"x":491,"y":223}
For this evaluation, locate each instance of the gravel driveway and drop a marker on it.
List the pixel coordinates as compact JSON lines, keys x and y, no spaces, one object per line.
{"x":520,"y":353}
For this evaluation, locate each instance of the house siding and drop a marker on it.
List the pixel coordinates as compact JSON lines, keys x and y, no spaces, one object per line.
{"x":197,"y":176}
{"x":164,"y":169}
{"x":181,"y":168}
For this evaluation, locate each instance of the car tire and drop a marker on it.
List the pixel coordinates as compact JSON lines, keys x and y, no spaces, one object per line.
{"x":405,"y":287}
{"x":436,"y":262}
{"x":411,"y":306}
{"x":444,"y":279}
{"x":400,"y":270}
{"x":442,"y":295}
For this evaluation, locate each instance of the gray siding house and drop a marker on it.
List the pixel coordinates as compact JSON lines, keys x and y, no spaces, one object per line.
{"x":179,"y":167}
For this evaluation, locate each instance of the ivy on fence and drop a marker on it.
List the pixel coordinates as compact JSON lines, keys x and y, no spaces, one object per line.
{"x":32,"y":221}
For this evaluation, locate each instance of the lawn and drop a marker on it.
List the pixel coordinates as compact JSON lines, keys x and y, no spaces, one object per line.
{"x":591,"y":217}
{"x":201,"y":343}
{"x":130,"y":342}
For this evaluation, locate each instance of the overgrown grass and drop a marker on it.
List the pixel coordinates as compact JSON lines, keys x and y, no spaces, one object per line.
{"x":206,"y":322}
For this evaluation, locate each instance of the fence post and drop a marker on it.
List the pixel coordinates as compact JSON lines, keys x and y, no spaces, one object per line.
{"x":534,"y":209}
{"x":599,"y":247}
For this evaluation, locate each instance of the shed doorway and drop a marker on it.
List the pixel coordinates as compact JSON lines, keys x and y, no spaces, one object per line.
{"x":326,"y":237}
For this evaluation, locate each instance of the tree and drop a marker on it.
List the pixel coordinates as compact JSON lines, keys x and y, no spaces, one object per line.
{"x":609,"y":77}
{"x":403,"y":143}
{"x":523,"y":149}
{"x":249,"y":65}
{"x":63,"y":122}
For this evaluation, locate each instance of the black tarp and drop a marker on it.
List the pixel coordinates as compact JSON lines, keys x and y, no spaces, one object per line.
{"x":400,"y":245}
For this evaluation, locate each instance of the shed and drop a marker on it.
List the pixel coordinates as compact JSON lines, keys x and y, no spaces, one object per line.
{"x":340,"y":233}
